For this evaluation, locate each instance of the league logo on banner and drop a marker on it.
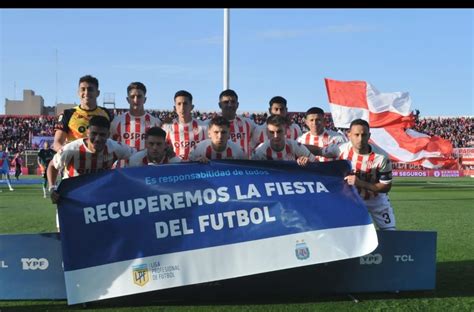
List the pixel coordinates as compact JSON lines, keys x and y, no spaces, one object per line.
{"x":134,"y":230}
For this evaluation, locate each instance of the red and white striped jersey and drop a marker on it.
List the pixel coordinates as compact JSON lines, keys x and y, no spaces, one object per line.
{"x":328,"y":137}
{"x":204,"y":148}
{"x":184,"y":137}
{"x":292,"y":151}
{"x":141,"y":159}
{"x":293,"y":132}
{"x":130,"y":130}
{"x":75,"y":158}
{"x":373,"y":167}
{"x":241,"y":129}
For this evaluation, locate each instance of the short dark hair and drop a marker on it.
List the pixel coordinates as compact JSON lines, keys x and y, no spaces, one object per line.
{"x":185,"y":94}
{"x":155,"y":131}
{"x":277,"y":120}
{"x":359,"y":122}
{"x":314,"y":110}
{"x":89,"y":79}
{"x":99,"y":121}
{"x":228,"y":92}
{"x":219,"y":121}
{"x":277,"y":99}
{"x":136,"y":85}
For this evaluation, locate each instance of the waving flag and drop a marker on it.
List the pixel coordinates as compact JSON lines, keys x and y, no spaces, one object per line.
{"x":389,"y":116}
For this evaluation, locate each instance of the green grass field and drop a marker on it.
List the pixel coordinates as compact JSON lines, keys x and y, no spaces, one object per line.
{"x":444,"y":205}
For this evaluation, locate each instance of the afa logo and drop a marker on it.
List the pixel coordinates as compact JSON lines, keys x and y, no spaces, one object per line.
{"x":140,"y":274}
{"x":301,"y":250}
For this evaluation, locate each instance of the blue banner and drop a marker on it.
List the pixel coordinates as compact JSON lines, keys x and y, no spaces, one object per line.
{"x":31,"y":267}
{"x":140,"y":229}
{"x":38,"y":141}
{"x":403,"y":261}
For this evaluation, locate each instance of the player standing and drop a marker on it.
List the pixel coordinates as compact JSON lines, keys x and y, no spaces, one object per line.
{"x":186,"y":132}
{"x":45,"y":155}
{"x":73,"y":123}
{"x":318,"y":135}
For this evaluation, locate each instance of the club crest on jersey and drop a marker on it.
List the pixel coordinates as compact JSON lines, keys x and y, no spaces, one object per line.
{"x":301,"y":250}
{"x":140,"y":274}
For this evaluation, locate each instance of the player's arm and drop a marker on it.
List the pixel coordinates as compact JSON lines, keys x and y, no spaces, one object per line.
{"x":61,"y":128}
{"x":52,"y":175}
{"x":382,"y":186}
{"x":315,"y":150}
{"x":196,"y":155}
{"x":59,"y":139}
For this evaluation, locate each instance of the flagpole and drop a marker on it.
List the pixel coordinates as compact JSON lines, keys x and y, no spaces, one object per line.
{"x":226,"y":48}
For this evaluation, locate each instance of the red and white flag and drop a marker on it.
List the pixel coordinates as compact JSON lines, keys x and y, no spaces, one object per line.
{"x":389,"y":116}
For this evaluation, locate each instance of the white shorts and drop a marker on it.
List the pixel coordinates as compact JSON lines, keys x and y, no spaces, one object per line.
{"x":382,"y":215}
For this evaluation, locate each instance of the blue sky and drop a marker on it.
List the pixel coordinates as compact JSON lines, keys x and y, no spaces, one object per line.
{"x":287,"y":52}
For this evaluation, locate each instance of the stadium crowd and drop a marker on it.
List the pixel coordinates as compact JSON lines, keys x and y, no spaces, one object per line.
{"x":16,"y":131}
{"x":458,"y":130}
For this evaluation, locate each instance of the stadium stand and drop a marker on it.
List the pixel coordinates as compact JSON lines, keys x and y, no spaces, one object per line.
{"x":16,"y":132}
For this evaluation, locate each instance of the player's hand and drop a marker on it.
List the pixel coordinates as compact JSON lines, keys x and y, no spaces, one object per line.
{"x":302,"y":161}
{"x":351,"y":179}
{"x":203,"y":160}
{"x":54,"y":196}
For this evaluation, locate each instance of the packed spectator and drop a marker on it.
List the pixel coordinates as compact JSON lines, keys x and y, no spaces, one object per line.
{"x":458,"y":130}
{"x":16,"y":131}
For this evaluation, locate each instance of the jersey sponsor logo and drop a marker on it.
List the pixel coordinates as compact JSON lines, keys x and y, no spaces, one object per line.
{"x":371,"y":259}
{"x":301,"y":251}
{"x":34,"y":263}
{"x":140,"y":274}
{"x":237,"y":136}
{"x":133,"y":136}
{"x":403,"y":258}
{"x":81,"y":171}
{"x":185,"y":144}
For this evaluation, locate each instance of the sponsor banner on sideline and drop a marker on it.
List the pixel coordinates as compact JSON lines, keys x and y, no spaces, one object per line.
{"x":428,"y":173}
{"x":135,"y":230}
{"x":30,"y":268}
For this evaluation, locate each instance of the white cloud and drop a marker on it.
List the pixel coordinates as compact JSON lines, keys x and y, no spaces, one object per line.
{"x":298,"y":33}
{"x":212,"y":40}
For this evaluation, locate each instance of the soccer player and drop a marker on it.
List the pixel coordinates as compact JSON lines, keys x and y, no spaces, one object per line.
{"x":130,"y":127}
{"x":278,"y":147}
{"x":5,"y":166}
{"x":241,"y":128}
{"x":73,"y":123}
{"x":155,"y":151}
{"x":184,"y":133}
{"x":278,"y":106}
{"x":45,"y":155}
{"x":318,"y":135}
{"x":92,"y":154}
{"x":218,"y":146}
{"x":372,"y":172}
